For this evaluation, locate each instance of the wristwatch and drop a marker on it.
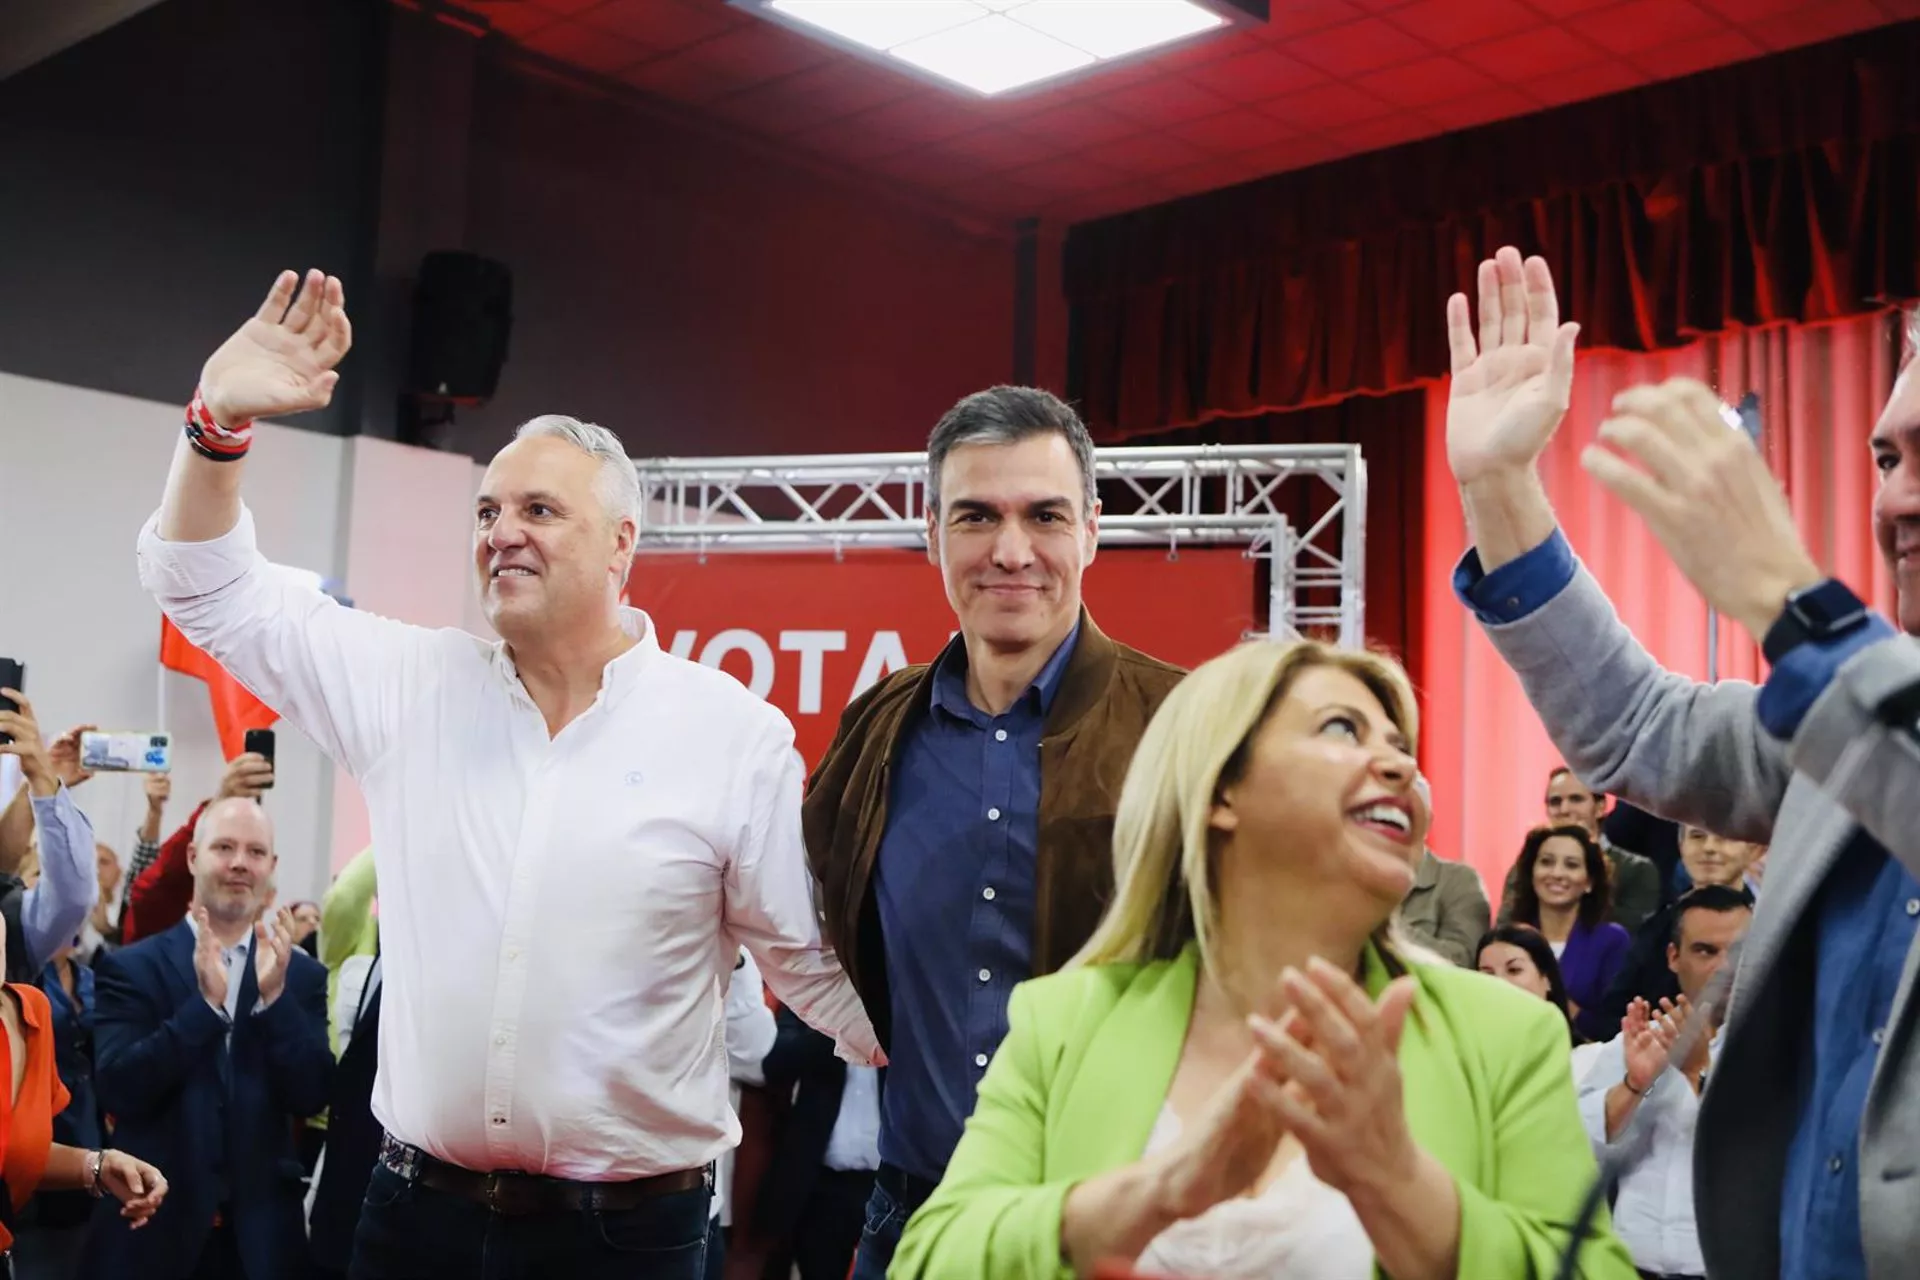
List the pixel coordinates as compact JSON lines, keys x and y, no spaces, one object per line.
{"x":1825,"y":611}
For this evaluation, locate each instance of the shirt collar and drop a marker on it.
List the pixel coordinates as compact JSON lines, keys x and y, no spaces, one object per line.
{"x":950,"y":680}
{"x":619,"y":675}
{"x":245,"y":943}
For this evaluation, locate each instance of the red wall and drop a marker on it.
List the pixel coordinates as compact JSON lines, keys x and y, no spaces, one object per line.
{"x":701,"y":297}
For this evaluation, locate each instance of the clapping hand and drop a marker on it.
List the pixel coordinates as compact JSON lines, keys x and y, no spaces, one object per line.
{"x":1647,"y":1042}
{"x":208,"y":964}
{"x":1510,"y":388}
{"x":1343,"y":1097}
{"x":282,"y":361}
{"x":272,"y":948}
{"x":1230,"y":1144}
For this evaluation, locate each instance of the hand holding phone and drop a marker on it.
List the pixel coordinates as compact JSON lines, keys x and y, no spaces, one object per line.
{"x":259,"y":742}
{"x":13,"y":679}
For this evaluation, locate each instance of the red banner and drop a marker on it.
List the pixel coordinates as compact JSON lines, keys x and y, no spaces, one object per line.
{"x":235,"y":709}
{"x":810,"y":633}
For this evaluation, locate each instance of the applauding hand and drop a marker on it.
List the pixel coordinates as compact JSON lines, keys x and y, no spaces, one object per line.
{"x":1226,"y":1149}
{"x":282,"y":360}
{"x":273,"y":946}
{"x":1343,"y":1100}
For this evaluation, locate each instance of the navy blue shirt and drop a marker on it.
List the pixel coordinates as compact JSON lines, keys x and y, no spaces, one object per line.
{"x":955,"y":881}
{"x":1865,"y":918}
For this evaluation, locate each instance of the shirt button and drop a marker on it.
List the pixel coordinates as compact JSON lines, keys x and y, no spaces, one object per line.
{"x":986,"y":975}
{"x":993,"y":815}
{"x":999,"y":735}
{"x":500,"y":1039}
{"x":987,"y":893}
{"x":499,"y":1119}
{"x":980,"y":1060}
{"x":1913,"y":906}
{"x":1835,"y":1164}
{"x":513,"y":953}
{"x":1879,"y":1035}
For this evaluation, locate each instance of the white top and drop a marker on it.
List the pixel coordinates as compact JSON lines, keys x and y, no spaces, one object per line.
{"x":751,"y":1031}
{"x":1299,"y":1228}
{"x":558,"y":915}
{"x":855,"y":1140}
{"x":1654,"y":1212}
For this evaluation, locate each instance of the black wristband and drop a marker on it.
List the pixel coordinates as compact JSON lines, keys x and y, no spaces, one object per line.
{"x":197,"y":438}
{"x":1824,"y":611}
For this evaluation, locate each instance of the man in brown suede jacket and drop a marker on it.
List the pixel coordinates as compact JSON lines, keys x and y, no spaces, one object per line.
{"x":961,"y":823}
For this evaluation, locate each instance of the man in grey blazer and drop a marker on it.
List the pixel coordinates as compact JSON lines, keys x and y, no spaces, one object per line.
{"x":1813,"y":1118}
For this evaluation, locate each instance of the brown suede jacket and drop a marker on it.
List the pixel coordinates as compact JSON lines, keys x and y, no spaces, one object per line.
{"x":1107,"y":694}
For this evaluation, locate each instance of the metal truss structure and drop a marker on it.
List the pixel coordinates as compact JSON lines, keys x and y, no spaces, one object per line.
{"x":1199,"y":496}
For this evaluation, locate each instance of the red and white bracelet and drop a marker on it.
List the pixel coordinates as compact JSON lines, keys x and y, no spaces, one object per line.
{"x":211,"y":440}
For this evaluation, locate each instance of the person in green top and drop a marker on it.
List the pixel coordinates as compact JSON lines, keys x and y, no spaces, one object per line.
{"x":1245,"y":1071}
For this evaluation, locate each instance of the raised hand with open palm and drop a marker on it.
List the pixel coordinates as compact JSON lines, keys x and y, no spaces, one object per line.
{"x":282,"y":360}
{"x":1511,"y":387}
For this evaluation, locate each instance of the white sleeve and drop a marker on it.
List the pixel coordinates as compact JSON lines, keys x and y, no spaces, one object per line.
{"x":338,"y":675}
{"x":751,"y":1029}
{"x":769,"y":902}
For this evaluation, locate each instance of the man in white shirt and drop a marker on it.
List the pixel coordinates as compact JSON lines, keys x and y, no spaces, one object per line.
{"x":1633,"y":1106}
{"x":575,"y":831}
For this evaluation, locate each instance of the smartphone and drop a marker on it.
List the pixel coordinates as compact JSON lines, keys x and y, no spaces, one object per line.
{"x":13,"y":675}
{"x":260,"y":742}
{"x":126,"y":752}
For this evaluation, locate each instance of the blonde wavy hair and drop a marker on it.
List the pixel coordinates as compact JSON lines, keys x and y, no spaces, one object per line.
{"x":1198,"y":742}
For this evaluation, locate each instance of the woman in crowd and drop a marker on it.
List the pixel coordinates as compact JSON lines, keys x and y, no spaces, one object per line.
{"x":33,"y":1161}
{"x":1243,"y":1075}
{"x":1519,"y":955}
{"x":1562,"y":890}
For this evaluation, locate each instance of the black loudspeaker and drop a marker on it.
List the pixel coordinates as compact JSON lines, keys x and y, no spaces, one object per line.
{"x":462,"y":317}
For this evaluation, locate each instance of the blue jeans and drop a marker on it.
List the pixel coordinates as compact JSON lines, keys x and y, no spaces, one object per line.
{"x":411,"y":1232}
{"x":887,"y":1214}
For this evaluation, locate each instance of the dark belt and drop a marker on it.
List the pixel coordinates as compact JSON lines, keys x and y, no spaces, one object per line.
{"x":908,"y":1189}
{"x":521,"y":1195}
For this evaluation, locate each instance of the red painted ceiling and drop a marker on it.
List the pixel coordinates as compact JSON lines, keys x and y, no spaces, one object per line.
{"x":1323,"y":79}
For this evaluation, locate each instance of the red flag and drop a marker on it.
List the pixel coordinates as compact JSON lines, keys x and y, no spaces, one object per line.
{"x":235,"y":709}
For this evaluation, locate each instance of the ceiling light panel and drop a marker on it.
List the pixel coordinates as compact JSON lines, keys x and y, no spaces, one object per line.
{"x":996,"y":46}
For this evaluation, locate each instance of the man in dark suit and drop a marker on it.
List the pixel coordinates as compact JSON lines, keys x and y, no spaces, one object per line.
{"x":210,"y":1041}
{"x":813,"y":1199}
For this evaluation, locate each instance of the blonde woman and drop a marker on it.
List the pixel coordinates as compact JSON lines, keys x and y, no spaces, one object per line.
{"x":1242,"y":1075}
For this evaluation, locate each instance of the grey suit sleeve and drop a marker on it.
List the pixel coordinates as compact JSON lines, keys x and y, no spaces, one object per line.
{"x":1463,"y":915}
{"x":1869,"y":766}
{"x":1692,"y":752}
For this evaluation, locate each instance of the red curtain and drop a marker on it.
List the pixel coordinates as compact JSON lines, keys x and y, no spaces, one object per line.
{"x":1785,"y":189}
{"x":1391,"y":434}
{"x":1821,"y":388}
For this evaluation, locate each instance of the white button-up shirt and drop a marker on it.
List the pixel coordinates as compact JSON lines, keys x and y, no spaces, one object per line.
{"x":1654,"y":1212}
{"x":559,"y":914}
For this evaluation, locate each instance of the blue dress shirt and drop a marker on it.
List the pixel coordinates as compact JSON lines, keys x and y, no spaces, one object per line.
{"x":1865,"y":918}
{"x":955,"y":882}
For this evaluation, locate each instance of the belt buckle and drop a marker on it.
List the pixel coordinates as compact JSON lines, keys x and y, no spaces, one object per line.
{"x":492,"y":1192}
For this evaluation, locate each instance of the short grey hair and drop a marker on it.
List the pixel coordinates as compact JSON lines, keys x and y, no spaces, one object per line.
{"x":618,"y":484}
{"x":1009,"y":415}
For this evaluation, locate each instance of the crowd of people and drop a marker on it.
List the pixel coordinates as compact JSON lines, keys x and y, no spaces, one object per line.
{"x":1059,"y":957}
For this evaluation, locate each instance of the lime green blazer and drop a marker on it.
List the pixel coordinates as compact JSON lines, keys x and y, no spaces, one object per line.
{"x":1083,"y":1073}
